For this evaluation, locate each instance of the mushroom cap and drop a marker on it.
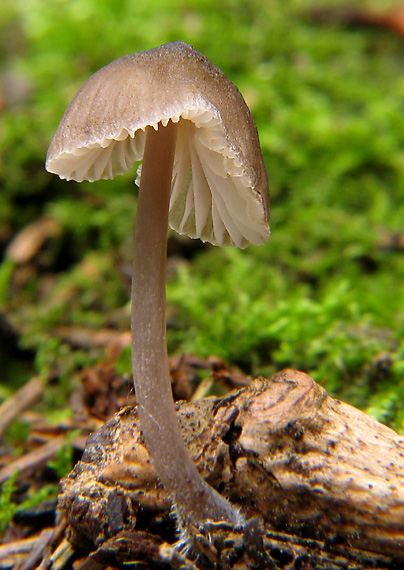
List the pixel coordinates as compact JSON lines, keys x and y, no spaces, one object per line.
{"x":219,"y":184}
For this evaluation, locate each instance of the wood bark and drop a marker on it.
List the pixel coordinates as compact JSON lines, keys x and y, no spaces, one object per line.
{"x":323,"y":481}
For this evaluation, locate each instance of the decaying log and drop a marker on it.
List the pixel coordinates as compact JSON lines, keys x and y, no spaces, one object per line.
{"x":307,"y":466}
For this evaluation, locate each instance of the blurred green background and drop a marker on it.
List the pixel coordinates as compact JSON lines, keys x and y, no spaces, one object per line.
{"x":324,"y":295}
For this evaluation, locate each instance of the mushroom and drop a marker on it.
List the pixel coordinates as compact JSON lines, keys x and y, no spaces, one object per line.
{"x":203,"y":173}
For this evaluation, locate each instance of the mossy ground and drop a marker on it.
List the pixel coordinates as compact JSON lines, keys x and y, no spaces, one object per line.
{"x":324,"y":295}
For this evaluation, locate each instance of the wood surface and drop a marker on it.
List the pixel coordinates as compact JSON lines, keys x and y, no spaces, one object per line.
{"x":322,"y":482}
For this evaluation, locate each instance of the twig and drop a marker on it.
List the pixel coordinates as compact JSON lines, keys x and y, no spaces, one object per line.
{"x":23,"y":399}
{"x":37,"y":551}
{"x":14,"y":553}
{"x":82,"y":337}
{"x":33,"y":459}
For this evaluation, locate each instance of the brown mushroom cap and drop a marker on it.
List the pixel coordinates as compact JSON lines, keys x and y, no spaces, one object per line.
{"x":219,"y":186}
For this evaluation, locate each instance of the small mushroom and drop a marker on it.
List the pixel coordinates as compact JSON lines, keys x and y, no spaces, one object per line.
{"x":203,"y":173}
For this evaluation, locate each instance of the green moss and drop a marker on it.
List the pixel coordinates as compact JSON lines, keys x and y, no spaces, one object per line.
{"x":9,"y":506}
{"x":325,"y":294}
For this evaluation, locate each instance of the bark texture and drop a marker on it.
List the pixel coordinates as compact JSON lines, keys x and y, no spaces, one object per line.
{"x":322,"y":480}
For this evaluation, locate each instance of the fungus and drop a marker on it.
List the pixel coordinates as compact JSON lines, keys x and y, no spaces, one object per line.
{"x":202,"y":173}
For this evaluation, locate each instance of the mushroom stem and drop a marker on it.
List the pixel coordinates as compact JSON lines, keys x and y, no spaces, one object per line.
{"x":194,"y":499}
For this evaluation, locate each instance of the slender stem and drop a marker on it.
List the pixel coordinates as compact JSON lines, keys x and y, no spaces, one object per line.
{"x":195,"y":500}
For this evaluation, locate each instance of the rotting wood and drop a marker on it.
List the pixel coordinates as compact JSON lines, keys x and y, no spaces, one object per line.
{"x":306,"y":465}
